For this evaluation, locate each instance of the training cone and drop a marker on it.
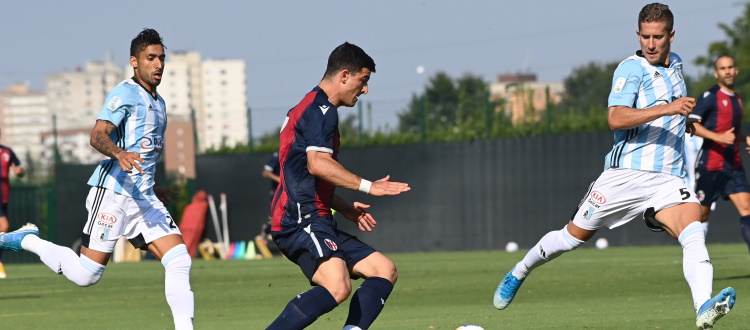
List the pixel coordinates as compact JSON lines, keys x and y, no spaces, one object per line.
{"x":230,"y":252}
{"x":239,"y":250}
{"x":250,"y":253}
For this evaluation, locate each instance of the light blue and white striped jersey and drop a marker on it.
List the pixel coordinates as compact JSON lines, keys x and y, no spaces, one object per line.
{"x":657,"y":146}
{"x":141,"y":121}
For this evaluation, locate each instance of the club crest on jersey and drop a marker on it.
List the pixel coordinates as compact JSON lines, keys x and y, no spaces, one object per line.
{"x":114,"y":102}
{"x":596,"y":198}
{"x":103,"y":234}
{"x":331,"y":245}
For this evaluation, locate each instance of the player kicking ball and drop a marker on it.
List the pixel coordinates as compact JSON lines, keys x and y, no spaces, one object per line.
{"x":643,"y":173}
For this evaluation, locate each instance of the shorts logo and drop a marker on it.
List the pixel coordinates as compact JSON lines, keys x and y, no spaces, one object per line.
{"x":588,"y":213}
{"x":103,"y":234}
{"x":106,"y":218}
{"x":331,"y":245}
{"x":597,"y":197}
{"x":700,"y":194}
{"x":114,"y":103}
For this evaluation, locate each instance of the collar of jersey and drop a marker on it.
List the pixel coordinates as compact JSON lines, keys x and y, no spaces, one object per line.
{"x":144,"y":88}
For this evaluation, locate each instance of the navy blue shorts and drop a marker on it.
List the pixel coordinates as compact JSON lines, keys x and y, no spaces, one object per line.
{"x":3,"y":209}
{"x":710,"y":185}
{"x":321,"y":239}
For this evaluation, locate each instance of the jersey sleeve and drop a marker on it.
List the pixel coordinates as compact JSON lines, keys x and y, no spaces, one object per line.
{"x":13,"y":159}
{"x":704,"y":106}
{"x":120,"y":104}
{"x":273,"y":163}
{"x":321,"y":127}
{"x":625,"y":84}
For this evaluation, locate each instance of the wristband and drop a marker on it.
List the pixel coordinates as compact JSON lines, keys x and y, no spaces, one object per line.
{"x":364,"y":186}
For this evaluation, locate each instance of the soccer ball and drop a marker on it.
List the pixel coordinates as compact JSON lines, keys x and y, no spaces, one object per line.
{"x":470,"y":327}
{"x":602,"y":243}
{"x":511,"y":247}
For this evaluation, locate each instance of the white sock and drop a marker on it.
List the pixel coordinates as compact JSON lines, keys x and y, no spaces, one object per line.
{"x":549,"y":247}
{"x":62,"y":260}
{"x":696,"y":263}
{"x":177,"y":265}
{"x":352,"y":327}
{"x":705,"y":226}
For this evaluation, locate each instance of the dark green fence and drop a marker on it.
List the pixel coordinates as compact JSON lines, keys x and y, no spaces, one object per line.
{"x":36,"y":204}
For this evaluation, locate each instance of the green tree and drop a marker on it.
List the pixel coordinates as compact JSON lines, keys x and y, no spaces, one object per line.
{"x":587,"y":88}
{"x":736,"y":44}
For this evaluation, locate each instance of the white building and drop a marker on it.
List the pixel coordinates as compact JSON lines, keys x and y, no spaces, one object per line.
{"x":213,"y":91}
{"x":73,"y":146}
{"x":24,"y":116}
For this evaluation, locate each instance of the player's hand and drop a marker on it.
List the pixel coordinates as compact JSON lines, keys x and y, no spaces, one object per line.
{"x":359,"y":215}
{"x":690,"y":128}
{"x":384,"y":187}
{"x":726,"y":137}
{"x":682,"y":106}
{"x":129,"y":160}
{"x":164,"y":194}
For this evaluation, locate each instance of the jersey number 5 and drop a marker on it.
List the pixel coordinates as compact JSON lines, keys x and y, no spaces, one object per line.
{"x":685,"y":193}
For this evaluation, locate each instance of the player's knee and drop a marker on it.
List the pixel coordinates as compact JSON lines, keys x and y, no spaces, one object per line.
{"x":340,"y":291}
{"x":90,"y":273}
{"x":177,"y":260}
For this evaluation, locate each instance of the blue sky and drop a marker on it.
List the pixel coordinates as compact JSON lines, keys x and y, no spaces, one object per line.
{"x":286,"y":43}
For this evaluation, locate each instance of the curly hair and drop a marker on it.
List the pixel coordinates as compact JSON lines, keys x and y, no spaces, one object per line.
{"x":656,"y":12}
{"x":146,"y":38}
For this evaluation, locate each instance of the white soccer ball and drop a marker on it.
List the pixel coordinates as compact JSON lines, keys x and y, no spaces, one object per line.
{"x":470,"y":327}
{"x":602,"y":243}
{"x":511,"y":247}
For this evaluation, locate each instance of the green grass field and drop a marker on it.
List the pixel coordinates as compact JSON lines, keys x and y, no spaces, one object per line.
{"x":616,"y":288}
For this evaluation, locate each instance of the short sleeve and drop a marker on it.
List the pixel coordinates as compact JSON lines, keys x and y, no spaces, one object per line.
{"x":14,"y":159}
{"x":625,"y":84}
{"x":704,"y":106}
{"x":321,"y":127}
{"x":119,"y":105}
{"x":273,"y":163}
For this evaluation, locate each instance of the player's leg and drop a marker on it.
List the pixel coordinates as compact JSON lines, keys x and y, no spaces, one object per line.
{"x":369,"y":299}
{"x":682,"y":222}
{"x":4,"y":227}
{"x":154,"y":230}
{"x":313,"y":247}
{"x":739,"y":192}
{"x":332,"y":287}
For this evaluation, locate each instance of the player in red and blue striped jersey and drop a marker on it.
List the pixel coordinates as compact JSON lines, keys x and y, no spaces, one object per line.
{"x":8,"y":159}
{"x":302,"y":223}
{"x":719,"y":168}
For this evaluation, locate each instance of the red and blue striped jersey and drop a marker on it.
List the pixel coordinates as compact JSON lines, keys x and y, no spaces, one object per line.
{"x":719,"y":111}
{"x":7,"y":157}
{"x":312,"y":125}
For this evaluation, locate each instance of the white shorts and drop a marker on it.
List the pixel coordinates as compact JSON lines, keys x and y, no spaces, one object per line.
{"x":620,"y":195}
{"x":112,"y":215}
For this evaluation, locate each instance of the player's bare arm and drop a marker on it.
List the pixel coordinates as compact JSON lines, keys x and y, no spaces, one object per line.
{"x":101,"y":141}
{"x":322,"y":165}
{"x":269,"y":175}
{"x":622,"y":117}
{"x":19,"y":171}
{"x":726,"y":137}
{"x":355,"y":212}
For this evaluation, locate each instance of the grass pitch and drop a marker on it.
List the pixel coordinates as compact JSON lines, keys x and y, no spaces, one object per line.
{"x":616,"y":288}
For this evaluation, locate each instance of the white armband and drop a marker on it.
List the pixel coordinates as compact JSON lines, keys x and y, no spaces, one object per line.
{"x":364,"y":186}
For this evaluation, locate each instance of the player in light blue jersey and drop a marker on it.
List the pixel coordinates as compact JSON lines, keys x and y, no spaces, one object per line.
{"x":643,"y":174}
{"x":123,"y":200}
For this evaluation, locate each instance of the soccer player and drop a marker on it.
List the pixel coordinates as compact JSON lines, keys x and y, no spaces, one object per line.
{"x":720,"y":171}
{"x":644,"y":172}
{"x":271,"y":171}
{"x":122,"y":200}
{"x":8,"y":159}
{"x":302,"y":225}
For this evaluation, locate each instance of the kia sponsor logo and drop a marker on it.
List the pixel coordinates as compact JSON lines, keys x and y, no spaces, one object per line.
{"x":106,"y":218}
{"x":597,"y":197}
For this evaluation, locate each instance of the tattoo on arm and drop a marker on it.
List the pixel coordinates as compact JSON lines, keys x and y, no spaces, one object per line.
{"x":100,"y":140}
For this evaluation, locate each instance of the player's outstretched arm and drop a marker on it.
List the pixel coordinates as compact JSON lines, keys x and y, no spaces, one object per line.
{"x":101,"y":141}
{"x":323,"y":166}
{"x":726,"y":137}
{"x":355,"y":212}
{"x":622,"y":117}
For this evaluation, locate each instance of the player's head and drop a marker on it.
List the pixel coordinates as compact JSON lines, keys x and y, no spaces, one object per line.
{"x":349,"y":67}
{"x":147,"y":57}
{"x":725,"y":71}
{"x":655,"y":32}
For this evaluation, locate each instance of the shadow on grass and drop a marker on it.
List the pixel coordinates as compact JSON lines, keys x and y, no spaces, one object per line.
{"x":732,"y":277}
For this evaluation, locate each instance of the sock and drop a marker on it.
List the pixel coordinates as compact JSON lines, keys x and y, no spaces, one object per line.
{"x":368,"y":301}
{"x":745,"y":229}
{"x":177,"y":265}
{"x":705,"y":226}
{"x":696,"y":265}
{"x":62,"y":260}
{"x":304,"y":309}
{"x":549,"y":247}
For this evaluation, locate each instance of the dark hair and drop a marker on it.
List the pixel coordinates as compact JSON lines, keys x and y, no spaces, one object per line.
{"x":146,"y":38}
{"x":656,"y":12}
{"x":348,"y":57}
{"x":722,"y":56}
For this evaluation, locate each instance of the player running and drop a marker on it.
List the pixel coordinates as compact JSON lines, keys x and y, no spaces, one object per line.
{"x":644,"y":172}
